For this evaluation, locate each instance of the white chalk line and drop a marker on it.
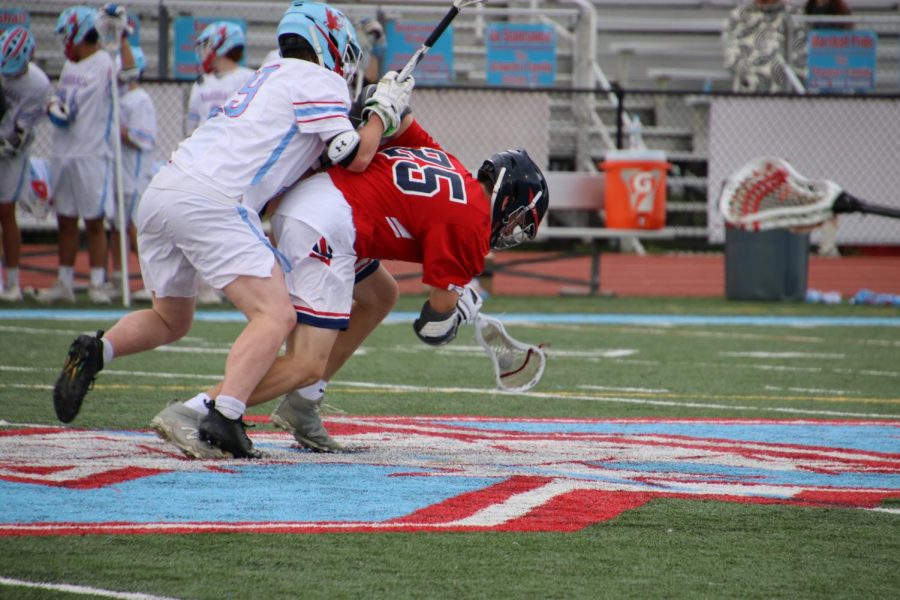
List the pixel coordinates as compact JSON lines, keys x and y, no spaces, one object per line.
{"x":80,"y":589}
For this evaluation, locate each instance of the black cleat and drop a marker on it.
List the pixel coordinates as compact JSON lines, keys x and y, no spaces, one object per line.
{"x":84,"y":361}
{"x":229,"y":435}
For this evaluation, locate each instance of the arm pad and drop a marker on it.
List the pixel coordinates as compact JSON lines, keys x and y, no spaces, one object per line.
{"x":434,"y":328}
{"x":342,"y":148}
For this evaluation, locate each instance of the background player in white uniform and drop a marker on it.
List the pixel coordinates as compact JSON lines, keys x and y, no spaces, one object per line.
{"x":25,"y":89}
{"x":81,"y":164}
{"x":200,"y":215}
{"x":138,"y":129}
{"x":219,"y":48}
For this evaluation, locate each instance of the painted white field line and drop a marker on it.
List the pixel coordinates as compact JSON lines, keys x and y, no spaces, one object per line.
{"x":760,"y":354}
{"x":117,"y":373}
{"x":624,"y":389}
{"x":776,"y":388}
{"x":646,"y":401}
{"x":80,"y":589}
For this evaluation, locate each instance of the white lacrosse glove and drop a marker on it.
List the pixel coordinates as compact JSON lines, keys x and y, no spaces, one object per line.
{"x":468,"y":305}
{"x":7,"y":148}
{"x":390,"y":99}
{"x":58,"y":111}
{"x":112,"y":24}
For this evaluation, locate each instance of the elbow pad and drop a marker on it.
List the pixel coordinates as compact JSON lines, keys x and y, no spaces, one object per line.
{"x":434,"y":328}
{"x":129,"y":75}
{"x":342,"y":148}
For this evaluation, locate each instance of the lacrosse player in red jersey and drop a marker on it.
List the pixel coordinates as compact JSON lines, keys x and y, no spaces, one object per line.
{"x":415,"y":203}
{"x":25,"y":91}
{"x":199,"y":217}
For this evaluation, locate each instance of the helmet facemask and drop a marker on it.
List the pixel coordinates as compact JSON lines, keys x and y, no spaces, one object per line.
{"x":519,"y":197}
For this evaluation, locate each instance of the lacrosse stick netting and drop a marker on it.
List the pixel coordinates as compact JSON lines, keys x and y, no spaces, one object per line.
{"x":518,"y":366}
{"x":767,"y":193}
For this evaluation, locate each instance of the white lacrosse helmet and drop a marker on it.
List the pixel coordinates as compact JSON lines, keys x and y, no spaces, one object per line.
{"x":328,"y":31}
{"x":217,"y":39}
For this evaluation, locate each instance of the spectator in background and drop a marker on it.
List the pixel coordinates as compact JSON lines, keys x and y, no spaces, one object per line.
{"x":138,"y":130}
{"x":374,"y":45}
{"x":81,"y":163}
{"x":220,"y":49}
{"x":25,"y":90}
{"x":756,"y":38}
{"x":831,"y":8}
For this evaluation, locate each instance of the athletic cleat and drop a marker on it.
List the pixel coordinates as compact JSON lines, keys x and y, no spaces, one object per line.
{"x":142,"y":295}
{"x":209,"y":296}
{"x":99,"y":295}
{"x":84,"y":361}
{"x":304,"y":424}
{"x":180,"y":425}
{"x":13,"y":294}
{"x":229,"y":435}
{"x":59,"y":292}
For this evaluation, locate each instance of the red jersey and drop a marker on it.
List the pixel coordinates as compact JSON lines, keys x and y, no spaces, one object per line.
{"x":417,"y":203}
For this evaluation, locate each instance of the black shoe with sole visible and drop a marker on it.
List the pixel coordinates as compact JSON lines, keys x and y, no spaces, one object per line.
{"x":229,"y":435}
{"x":84,"y":361}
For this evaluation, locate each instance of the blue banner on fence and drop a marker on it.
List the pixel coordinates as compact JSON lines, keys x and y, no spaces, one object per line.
{"x":842,"y":61}
{"x":186,"y":31}
{"x":521,"y":55}
{"x":405,"y":37}
{"x":11,"y":17}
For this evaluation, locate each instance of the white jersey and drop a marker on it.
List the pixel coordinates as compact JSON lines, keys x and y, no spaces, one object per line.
{"x":84,"y":87}
{"x":26,"y":100}
{"x":138,"y":116}
{"x":269,"y":133}
{"x":209,"y":94}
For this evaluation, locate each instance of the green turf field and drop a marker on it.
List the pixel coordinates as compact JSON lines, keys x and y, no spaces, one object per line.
{"x":667,"y":548}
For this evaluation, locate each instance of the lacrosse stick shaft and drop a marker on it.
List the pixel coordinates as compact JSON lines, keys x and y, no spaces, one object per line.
{"x":845,"y":203}
{"x":433,"y":37}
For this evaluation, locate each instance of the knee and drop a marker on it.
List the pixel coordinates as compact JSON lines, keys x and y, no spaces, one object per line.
{"x":286,"y":317}
{"x":178,"y":326}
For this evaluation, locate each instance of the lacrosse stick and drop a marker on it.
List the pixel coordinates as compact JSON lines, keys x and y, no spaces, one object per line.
{"x":419,"y":54}
{"x":518,"y":366}
{"x":110,"y":28}
{"x":767,"y":193}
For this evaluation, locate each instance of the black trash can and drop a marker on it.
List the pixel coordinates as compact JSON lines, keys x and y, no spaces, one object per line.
{"x":766,"y":265}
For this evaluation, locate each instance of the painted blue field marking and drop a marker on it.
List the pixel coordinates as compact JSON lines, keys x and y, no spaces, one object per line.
{"x":521,"y":318}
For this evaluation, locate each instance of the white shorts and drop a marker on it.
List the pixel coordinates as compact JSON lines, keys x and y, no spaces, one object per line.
{"x":322,"y":273}
{"x":82,"y":186}
{"x":15,"y":178}
{"x":186,"y":235}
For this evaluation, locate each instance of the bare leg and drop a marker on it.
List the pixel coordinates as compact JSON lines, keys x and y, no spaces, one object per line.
{"x":12,"y":241}
{"x":266,"y":304}
{"x":97,"y":244}
{"x":167,"y":321}
{"x":68,"y":240}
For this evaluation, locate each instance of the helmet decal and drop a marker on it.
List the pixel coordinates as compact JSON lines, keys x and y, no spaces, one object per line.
{"x":16,"y":49}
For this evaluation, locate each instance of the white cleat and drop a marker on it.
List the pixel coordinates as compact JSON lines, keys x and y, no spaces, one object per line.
{"x":179,"y":425}
{"x":59,"y":292}
{"x":304,"y":423}
{"x":13,"y":294}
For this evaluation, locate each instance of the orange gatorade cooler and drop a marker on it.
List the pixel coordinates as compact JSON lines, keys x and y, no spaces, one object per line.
{"x":635,"y":189}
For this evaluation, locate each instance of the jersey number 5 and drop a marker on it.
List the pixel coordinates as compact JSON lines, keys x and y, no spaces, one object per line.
{"x":241,"y":99}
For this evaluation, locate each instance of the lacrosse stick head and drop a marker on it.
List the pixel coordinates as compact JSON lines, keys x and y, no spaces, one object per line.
{"x":767,"y":193}
{"x":518,"y":366}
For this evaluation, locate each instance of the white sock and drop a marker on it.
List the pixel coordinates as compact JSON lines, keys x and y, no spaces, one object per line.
{"x":67,"y":276}
{"x":12,"y":277}
{"x":314,"y":391}
{"x":198,"y":403}
{"x":98,"y":276}
{"x":231,"y":407}
{"x":108,"y":352}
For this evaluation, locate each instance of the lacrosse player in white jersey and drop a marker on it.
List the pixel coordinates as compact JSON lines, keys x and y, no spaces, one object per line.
{"x":138,"y":129}
{"x":200,"y":215}
{"x":219,"y":49}
{"x":81,"y":161}
{"x":25,"y":89}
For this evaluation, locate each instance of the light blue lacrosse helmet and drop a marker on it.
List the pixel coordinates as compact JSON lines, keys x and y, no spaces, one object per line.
{"x":330,"y":33}
{"x":217,"y":39}
{"x":16,"y":48}
{"x":73,"y":25}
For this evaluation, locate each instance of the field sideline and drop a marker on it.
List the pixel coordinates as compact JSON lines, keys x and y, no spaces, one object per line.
{"x":675,"y":448}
